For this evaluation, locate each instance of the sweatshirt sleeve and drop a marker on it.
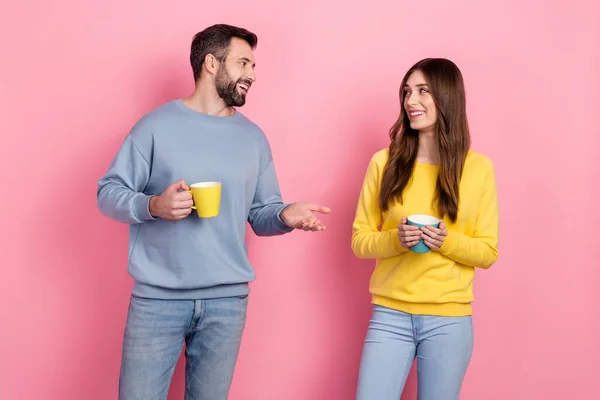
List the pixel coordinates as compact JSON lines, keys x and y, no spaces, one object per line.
{"x":267,"y":205}
{"x":120,"y":191}
{"x":481,"y":248}
{"x":367,"y":239}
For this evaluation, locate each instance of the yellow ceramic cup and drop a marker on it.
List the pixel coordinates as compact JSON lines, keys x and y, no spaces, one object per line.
{"x":207,"y":198}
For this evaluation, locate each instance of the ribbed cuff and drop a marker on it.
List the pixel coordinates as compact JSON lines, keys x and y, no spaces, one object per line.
{"x":142,"y":208}
{"x":279,"y":224}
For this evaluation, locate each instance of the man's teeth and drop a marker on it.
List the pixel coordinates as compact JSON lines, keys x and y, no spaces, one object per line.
{"x":245,"y":87}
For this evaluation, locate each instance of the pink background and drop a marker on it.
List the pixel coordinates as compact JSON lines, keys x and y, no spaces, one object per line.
{"x":75,"y":76}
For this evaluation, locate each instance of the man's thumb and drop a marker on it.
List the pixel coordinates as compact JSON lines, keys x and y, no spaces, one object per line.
{"x":319,"y":208}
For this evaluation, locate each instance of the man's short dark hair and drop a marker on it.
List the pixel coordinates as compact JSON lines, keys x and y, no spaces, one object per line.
{"x":215,"y":40}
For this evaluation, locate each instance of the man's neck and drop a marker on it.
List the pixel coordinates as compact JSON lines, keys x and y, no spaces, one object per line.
{"x":206,"y":100}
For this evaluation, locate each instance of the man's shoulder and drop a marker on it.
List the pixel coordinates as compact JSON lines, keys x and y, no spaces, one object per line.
{"x":166,"y":111}
{"x":148,"y":123}
{"x":250,"y":125}
{"x":252,"y":129}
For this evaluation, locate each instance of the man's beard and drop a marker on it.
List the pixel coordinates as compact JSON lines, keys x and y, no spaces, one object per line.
{"x":227,"y":89}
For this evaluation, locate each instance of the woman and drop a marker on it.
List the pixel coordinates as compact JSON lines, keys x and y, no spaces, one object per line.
{"x":422,"y":301}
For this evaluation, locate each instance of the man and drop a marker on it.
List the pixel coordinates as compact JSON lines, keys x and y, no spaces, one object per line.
{"x":191,"y":274}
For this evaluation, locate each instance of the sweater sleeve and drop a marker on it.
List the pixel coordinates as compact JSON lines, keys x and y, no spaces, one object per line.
{"x":481,"y":248}
{"x":265,"y":213}
{"x":120,"y":191}
{"x":368,"y":241}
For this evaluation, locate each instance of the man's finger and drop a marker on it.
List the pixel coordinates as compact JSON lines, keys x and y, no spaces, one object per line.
{"x":318,"y":208}
{"x":181,"y":211}
{"x":315,"y":225}
{"x":185,"y":195}
{"x":305,"y":224}
{"x":183,"y":204}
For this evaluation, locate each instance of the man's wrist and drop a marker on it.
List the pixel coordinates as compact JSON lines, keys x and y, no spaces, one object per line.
{"x":281,"y":216}
{"x":152,"y":206}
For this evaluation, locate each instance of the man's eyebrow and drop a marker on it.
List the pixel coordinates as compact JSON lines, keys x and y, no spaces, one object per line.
{"x":246,"y":59}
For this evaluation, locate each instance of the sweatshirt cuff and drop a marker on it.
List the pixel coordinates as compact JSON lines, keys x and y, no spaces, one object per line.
{"x":142,"y":208}
{"x":450,"y":243}
{"x":279,"y":224}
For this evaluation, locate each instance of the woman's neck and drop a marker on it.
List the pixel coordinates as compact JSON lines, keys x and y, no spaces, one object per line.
{"x":428,"y":152}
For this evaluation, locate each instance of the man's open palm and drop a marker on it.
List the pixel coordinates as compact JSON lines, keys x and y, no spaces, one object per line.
{"x":301,"y":215}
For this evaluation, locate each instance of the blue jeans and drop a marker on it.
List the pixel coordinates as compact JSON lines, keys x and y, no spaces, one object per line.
{"x":442,"y":346}
{"x":155,"y":334}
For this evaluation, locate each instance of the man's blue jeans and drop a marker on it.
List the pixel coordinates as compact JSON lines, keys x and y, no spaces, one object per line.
{"x":155,"y":334}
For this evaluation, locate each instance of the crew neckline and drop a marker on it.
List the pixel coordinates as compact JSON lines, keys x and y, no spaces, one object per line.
{"x":207,"y":117}
{"x":425,"y":165}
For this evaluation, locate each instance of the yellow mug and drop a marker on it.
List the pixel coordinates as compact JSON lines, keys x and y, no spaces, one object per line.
{"x":207,"y":198}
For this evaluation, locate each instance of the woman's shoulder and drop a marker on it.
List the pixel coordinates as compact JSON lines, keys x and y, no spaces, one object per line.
{"x":478,"y":168}
{"x":478,"y":161}
{"x":381,"y":157}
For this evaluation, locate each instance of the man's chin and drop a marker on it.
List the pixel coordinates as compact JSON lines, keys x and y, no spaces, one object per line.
{"x":239,"y":102}
{"x":241,"y":99}
{"x":235,"y":103}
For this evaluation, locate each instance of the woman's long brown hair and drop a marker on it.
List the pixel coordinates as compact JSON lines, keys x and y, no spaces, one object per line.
{"x":453,"y":139}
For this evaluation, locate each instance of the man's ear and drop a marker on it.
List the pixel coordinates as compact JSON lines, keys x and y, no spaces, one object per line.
{"x":211,"y":63}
